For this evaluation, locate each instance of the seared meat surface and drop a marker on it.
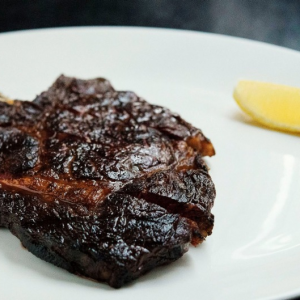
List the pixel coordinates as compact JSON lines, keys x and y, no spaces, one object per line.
{"x":102,"y":183}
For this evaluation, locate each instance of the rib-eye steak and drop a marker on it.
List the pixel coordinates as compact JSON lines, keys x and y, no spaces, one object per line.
{"x":102,"y":183}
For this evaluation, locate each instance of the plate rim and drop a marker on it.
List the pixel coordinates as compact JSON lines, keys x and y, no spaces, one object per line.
{"x":150,"y":29}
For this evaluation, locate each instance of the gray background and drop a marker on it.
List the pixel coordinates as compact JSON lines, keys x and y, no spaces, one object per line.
{"x":271,"y":21}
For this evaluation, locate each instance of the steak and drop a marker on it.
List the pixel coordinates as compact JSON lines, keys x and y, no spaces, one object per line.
{"x":102,"y":183}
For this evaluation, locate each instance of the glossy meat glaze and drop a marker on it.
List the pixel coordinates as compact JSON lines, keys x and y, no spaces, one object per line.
{"x":102,"y":183}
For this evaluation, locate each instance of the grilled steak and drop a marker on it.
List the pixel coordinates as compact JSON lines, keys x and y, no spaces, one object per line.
{"x":102,"y":183}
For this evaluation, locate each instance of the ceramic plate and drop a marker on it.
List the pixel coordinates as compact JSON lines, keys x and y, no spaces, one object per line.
{"x":254,"y":252}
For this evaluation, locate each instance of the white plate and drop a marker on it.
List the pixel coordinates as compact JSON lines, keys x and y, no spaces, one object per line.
{"x":254,"y":252}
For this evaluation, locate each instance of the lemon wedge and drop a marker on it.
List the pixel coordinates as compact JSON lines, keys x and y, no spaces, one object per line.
{"x":276,"y":106}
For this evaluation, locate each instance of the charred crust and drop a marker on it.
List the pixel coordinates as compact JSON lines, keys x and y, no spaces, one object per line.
{"x":102,"y":183}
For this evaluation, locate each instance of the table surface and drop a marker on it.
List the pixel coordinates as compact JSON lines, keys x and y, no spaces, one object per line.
{"x":272,"y":21}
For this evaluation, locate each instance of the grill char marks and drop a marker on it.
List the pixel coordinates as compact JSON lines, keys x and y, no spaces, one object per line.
{"x":101,"y":182}
{"x":188,"y":192}
{"x":122,"y":239}
{"x":19,"y":151}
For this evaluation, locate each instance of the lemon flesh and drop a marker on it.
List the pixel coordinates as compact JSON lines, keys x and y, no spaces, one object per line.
{"x":276,"y":106}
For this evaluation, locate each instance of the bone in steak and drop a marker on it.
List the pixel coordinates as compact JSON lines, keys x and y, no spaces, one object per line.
{"x":102,"y":183}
